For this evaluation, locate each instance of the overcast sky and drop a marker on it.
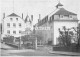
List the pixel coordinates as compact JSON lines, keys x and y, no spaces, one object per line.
{"x":36,"y":7}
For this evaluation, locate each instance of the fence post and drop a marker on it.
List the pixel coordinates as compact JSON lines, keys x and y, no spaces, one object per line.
{"x":36,"y":43}
{"x":19,"y":42}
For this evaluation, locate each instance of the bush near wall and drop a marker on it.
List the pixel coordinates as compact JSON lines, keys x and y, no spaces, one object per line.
{"x":8,"y":39}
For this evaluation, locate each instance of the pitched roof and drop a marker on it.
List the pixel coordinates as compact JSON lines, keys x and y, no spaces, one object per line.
{"x":62,"y":11}
{"x":13,"y":14}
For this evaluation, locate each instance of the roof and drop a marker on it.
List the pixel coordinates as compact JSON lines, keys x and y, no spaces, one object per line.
{"x":67,"y":20}
{"x":13,"y":14}
{"x":62,"y":11}
{"x":44,"y":20}
{"x":59,"y":4}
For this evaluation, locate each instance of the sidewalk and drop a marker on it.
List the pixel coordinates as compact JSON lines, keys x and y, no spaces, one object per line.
{"x":65,"y":53}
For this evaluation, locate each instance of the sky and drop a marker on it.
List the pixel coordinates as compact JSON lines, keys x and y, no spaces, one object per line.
{"x":36,"y":7}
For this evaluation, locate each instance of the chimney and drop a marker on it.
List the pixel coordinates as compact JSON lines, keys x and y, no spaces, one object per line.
{"x":39,"y":18}
{"x":3,"y":15}
{"x":32,"y":17}
{"x":22,"y":15}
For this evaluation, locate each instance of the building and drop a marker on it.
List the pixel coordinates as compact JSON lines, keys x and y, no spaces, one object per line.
{"x":57,"y":19}
{"x":14,"y":25}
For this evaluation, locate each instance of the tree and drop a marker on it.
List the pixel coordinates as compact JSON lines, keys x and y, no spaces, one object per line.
{"x":65,"y":37}
{"x":39,"y":36}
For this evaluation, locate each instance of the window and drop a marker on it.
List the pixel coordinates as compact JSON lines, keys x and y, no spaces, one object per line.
{"x":8,"y":31}
{"x":14,"y":25}
{"x":70,"y":16}
{"x":19,"y":24}
{"x":61,"y":16}
{"x":8,"y":24}
{"x":11,"y":19}
{"x":17,"y":19}
{"x":14,"y":32}
{"x":19,"y":31}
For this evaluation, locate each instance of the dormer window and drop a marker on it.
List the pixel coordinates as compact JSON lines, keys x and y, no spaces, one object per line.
{"x":11,"y":19}
{"x":14,"y":32}
{"x":19,"y":31}
{"x":17,"y":19}
{"x":14,"y":25}
{"x":19,"y":24}
{"x":70,"y":16}
{"x":8,"y":24}
{"x":61,"y":16}
{"x":8,"y":31}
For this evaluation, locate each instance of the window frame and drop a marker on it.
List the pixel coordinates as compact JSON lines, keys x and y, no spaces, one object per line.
{"x":14,"y":32}
{"x":11,"y":19}
{"x":17,"y":19}
{"x":61,"y":16}
{"x":19,"y":31}
{"x":8,"y":24}
{"x":8,"y":31}
{"x":20,"y":25}
{"x":14,"y":24}
{"x":70,"y":16}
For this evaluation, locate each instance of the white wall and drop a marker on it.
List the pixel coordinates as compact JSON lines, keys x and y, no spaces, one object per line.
{"x":17,"y":28}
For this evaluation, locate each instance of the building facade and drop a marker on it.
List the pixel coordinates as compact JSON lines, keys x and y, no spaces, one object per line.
{"x":57,"y":19}
{"x":14,"y":25}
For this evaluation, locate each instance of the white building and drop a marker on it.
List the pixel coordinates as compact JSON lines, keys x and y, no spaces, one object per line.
{"x":57,"y":19}
{"x":14,"y":25}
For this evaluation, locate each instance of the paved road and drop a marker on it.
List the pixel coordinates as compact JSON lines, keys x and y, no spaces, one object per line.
{"x":41,"y":51}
